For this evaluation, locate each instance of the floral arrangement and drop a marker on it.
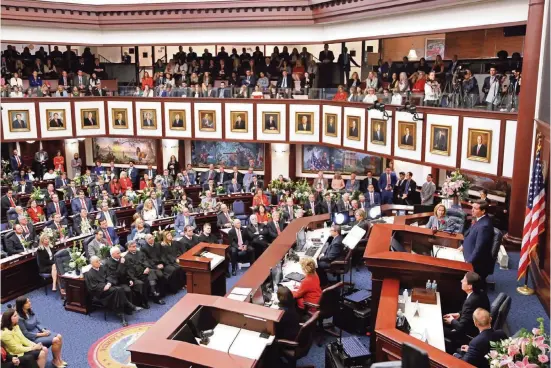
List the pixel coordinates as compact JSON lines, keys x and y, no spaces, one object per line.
{"x":104,"y":252}
{"x":78,"y":180}
{"x":302,"y":191}
{"x":456,"y":185}
{"x":37,"y":195}
{"x":50,"y":233}
{"x":78,"y":260}
{"x":335,"y":196}
{"x":528,"y":350}
{"x":177,"y":192}
{"x":355,"y":195}
{"x":58,"y":172}
{"x":277,"y":185}
{"x":220,"y":190}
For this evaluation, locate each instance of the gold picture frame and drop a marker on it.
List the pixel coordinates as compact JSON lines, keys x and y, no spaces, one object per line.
{"x":19,"y":120}
{"x":119,"y":118}
{"x":89,"y":118}
{"x":268,"y":123}
{"x":378,"y":132}
{"x":207,"y":120}
{"x":55,"y":119}
{"x":148,"y":119}
{"x":239,"y":121}
{"x":353,"y":131}
{"x":177,"y":119}
{"x":440,"y":139}
{"x":304,"y":123}
{"x":333,"y":129}
{"x":479,"y":151}
{"x":407,"y":131}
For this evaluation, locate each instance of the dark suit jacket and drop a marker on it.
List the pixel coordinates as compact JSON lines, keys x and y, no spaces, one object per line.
{"x":250,"y":83}
{"x":262,"y":231}
{"x":329,"y":55}
{"x":334,"y":249}
{"x":353,"y":132}
{"x":178,"y":123}
{"x":14,"y":165}
{"x":28,"y":188}
{"x":76,"y":205}
{"x":482,"y":152}
{"x":289,"y":82}
{"x":324,"y":207}
{"x":411,"y":190}
{"x":376,"y":199}
{"x":268,"y":125}
{"x":221,"y":220}
{"x":239,"y":124}
{"x":480,"y":346}
{"x":232,"y":237}
{"x":477,"y":246}
{"x":59,"y":183}
{"x":61,"y":82}
{"x":407,"y":140}
{"x":76,"y":224}
{"x":89,"y":122}
{"x":50,"y":209}
{"x":304,"y":129}
{"x":19,"y":124}
{"x":308,"y":207}
{"x":382,"y":181}
{"x":441,"y":143}
{"x":13,"y":245}
{"x":365,"y":183}
{"x":464,"y":324}
{"x":272,"y":230}
{"x":341,"y":205}
{"x":379,"y":136}
{"x":56,"y":123}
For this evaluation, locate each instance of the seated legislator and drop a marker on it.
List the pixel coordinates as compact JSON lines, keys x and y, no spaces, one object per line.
{"x":439,"y":221}
{"x":156,"y":261}
{"x":209,"y":201}
{"x":289,"y":210}
{"x":207,"y":236}
{"x":477,"y":245}
{"x":45,"y":254}
{"x":117,"y":273}
{"x":223,"y":219}
{"x":16,"y":344}
{"x":260,"y":198}
{"x":15,"y":241}
{"x":258,"y":235}
{"x":35,"y":212}
{"x":125,"y":182}
{"x":458,"y":325}
{"x":234,"y":187}
{"x":254,"y":185}
{"x":311,"y":206}
{"x":183,"y":219}
{"x":107,"y":214}
{"x":149,"y":213}
{"x":262,"y":216}
{"x":309,"y":290}
{"x":81,"y":202}
{"x":103,"y":289}
{"x":331,"y":252}
{"x":289,"y":325}
{"x":361,"y":219}
{"x":82,"y":224}
{"x":475,"y":352}
{"x":109,"y":233}
{"x":276,"y":226}
{"x":210,"y":186}
{"x":95,"y":245}
{"x":32,"y":329}
{"x":55,"y":206}
{"x":29,"y":231}
{"x":138,"y":270}
{"x":328,"y":205}
{"x":372,"y":197}
{"x":239,"y":246}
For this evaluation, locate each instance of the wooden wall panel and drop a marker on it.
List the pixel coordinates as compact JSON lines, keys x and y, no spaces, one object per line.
{"x":397,"y":48}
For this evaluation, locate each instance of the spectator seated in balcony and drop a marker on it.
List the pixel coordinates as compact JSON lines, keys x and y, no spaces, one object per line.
{"x":93,"y":81}
{"x":298,"y":70}
{"x":370,"y":96}
{"x":432,"y":90}
{"x":258,"y":94}
{"x":76,"y":92}
{"x":372,"y":80}
{"x":263,"y":82}
{"x":61,"y":92}
{"x":147,"y":92}
{"x":354,"y":81}
{"x":341,"y":94}
{"x":419,"y":85}
{"x":243,"y":92}
{"x":35,"y":80}
{"x":50,"y":70}
{"x":16,"y":92}
{"x":396,"y":98}
{"x":393,"y":84}
{"x":147,"y":80}
{"x":16,"y":81}
{"x":44,"y":90}
{"x":403,"y":83}
{"x":354,"y":95}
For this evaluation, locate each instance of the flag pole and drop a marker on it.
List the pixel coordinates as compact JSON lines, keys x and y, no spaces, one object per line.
{"x":525,"y":289}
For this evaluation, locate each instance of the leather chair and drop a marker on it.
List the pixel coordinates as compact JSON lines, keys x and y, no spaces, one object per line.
{"x":341,"y":267}
{"x":85,"y":244}
{"x":496,"y":244}
{"x":328,"y":306}
{"x":239,"y":212}
{"x":46,"y":277}
{"x":61,"y":260}
{"x":456,"y":220}
{"x":300,"y":346}
{"x":499,"y":310}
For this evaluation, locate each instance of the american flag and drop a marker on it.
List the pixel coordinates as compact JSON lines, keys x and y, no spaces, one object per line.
{"x":534,"y":222}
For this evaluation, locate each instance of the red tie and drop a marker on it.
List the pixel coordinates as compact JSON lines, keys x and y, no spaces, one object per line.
{"x":83,"y":205}
{"x":277,"y":228}
{"x":239,"y":240}
{"x":18,"y":161}
{"x":57,"y":208}
{"x":477,"y":149}
{"x":11,"y":201}
{"x":108,"y":237}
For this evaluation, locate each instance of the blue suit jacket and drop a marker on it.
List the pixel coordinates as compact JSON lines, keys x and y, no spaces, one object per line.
{"x":13,"y":163}
{"x":376,"y":199}
{"x":133,"y":175}
{"x":480,"y":346}
{"x":59,"y":182}
{"x":232,"y":190}
{"x":113,"y":235}
{"x":76,"y":205}
{"x":98,"y":170}
{"x":383,"y":184}
{"x":50,"y":209}
{"x":180,"y":223}
{"x":477,"y":246}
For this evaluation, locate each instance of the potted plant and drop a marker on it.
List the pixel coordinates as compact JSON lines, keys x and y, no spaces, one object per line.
{"x":456,"y":187}
{"x":78,"y":260}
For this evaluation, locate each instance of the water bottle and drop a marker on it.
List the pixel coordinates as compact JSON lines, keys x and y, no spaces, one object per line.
{"x":433,"y":286}
{"x":428,"y":285}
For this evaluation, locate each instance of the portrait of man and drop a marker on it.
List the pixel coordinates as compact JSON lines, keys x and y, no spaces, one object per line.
{"x":353,"y":124}
{"x":480,"y":145}
{"x":331,"y":125}
{"x":440,"y":138}
{"x":207,"y":119}
{"x":239,"y":121}
{"x":120,"y":119}
{"x":19,"y":121}
{"x":177,"y":119}
{"x":149,"y":118}
{"x":271,"y":122}
{"x":90,"y":118}
{"x":378,"y":131}
{"x":303,"y":123}
{"x":55,"y":119}
{"x":407,"y":135}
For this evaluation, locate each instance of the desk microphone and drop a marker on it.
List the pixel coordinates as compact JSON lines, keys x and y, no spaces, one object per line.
{"x":204,"y":336}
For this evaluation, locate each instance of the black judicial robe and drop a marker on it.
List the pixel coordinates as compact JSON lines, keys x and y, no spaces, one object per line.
{"x":114,"y":298}
{"x":136,"y":264}
{"x":118,"y":272}
{"x":169,"y":272}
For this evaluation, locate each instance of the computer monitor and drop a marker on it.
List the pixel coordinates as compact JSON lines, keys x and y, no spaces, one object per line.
{"x":301,"y":239}
{"x":396,"y":244}
{"x":340,"y":218}
{"x":374,"y":213}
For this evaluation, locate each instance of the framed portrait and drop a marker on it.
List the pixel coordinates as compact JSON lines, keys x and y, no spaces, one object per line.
{"x":440,"y":136}
{"x":271,"y":122}
{"x":120,"y":118}
{"x":353,"y":128}
{"x":480,"y":145}
{"x":55,"y":119}
{"x":406,"y":134}
{"x":207,"y":120}
{"x":148,"y":118}
{"x":89,"y":118}
{"x":304,"y":123}
{"x":434,"y":47}
{"x":330,"y":124}
{"x":239,"y":121}
{"x":177,"y":119}
{"x":378,"y":131}
{"x":19,"y":121}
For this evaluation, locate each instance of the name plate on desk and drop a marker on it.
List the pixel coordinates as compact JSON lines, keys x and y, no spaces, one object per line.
{"x":423,"y":296}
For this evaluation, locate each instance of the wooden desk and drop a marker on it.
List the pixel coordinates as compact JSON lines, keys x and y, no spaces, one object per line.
{"x":156,"y":348}
{"x":389,"y":340}
{"x":201,"y":278}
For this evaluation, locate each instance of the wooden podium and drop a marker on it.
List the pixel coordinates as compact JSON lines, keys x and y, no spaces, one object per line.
{"x":201,"y":277}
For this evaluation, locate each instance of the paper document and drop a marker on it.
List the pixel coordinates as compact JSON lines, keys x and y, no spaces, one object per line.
{"x":451,"y":254}
{"x":215,"y":259}
{"x":353,"y":237}
{"x":238,"y":297}
{"x":241,"y":291}
{"x":249,"y":344}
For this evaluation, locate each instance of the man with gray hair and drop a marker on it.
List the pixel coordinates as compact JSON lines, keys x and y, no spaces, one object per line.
{"x":138,"y":271}
{"x":28,"y":229}
{"x":95,"y":245}
{"x":117,"y":273}
{"x":167,"y":272}
{"x":258,"y":235}
{"x":239,"y":246}
{"x":331,"y":252}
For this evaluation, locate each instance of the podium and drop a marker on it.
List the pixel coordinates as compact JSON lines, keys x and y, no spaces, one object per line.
{"x":204,"y":274}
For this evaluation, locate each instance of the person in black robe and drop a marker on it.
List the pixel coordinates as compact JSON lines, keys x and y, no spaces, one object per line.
{"x":207,"y":236}
{"x":102,"y":288}
{"x":168,"y":271}
{"x":170,"y":251}
{"x":136,"y":291}
{"x":188,"y":240}
{"x":138,"y":270}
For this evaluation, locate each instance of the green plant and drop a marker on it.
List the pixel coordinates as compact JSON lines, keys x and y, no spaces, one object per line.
{"x":104,"y":252}
{"x":37,"y":194}
{"x":78,"y":260}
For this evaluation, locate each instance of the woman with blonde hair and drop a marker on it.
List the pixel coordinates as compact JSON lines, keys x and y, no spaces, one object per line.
{"x":45,"y":255}
{"x":371,"y":80}
{"x":439,"y":221}
{"x":310,"y":289}
{"x":337,"y":183}
{"x":403,"y":83}
{"x":149,"y":213}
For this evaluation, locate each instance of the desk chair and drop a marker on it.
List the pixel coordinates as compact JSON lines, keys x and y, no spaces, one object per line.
{"x":496,"y":244}
{"x":61,"y":260}
{"x":95,"y":303}
{"x":328,"y":306}
{"x":239,"y":212}
{"x":499,"y":310}
{"x":341,"y":267}
{"x":85,"y":244}
{"x":46,"y":277}
{"x":300,"y":346}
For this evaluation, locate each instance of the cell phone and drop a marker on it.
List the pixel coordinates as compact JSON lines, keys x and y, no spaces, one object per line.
{"x":265,"y":335}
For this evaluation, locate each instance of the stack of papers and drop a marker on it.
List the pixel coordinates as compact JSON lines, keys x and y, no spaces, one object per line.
{"x":240,"y":294}
{"x":215,"y":259}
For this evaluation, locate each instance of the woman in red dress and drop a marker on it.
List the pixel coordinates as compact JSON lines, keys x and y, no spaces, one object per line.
{"x":310,"y":289}
{"x":341,"y":95}
{"x":260,"y":198}
{"x":35,"y":212}
{"x":146,"y":182}
{"x":262,"y":216}
{"x":59,"y":162}
{"x":125,"y":182}
{"x":115,"y":186}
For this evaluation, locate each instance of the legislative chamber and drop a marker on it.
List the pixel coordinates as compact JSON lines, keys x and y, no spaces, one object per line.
{"x":301,"y":183}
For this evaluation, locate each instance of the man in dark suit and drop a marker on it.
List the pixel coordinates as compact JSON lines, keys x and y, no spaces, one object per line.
{"x":378,"y":134}
{"x":237,"y":175}
{"x":234,"y":187}
{"x":14,"y":242}
{"x":119,"y":121}
{"x":239,"y":246}
{"x":387,"y":181}
{"x":89,"y":120}
{"x":211,"y":186}
{"x":369,"y":180}
{"x":223,"y":219}
{"x":440,"y":141}
{"x":249,"y":80}
{"x":210,"y":174}
{"x":344,"y":61}
{"x":223,"y":176}
{"x":24,"y":187}
{"x":331,"y":252}
{"x":80,"y":80}
{"x":285,"y":81}
{"x":16,"y":162}
{"x":311,"y":206}
{"x":81,"y":222}
{"x":223,"y":92}
{"x":326,"y":56}
{"x":148,"y":120}
{"x":475,"y":353}
{"x":271,"y":124}
{"x":81,"y":202}
{"x":29,"y":232}
{"x":458,"y":325}
{"x":55,"y":121}
{"x":132,"y":174}
{"x":408,"y":189}
{"x":407,"y":138}
{"x":344,"y":203}
{"x":479,"y":149}
{"x":276,"y":226}
{"x":56,"y":206}
{"x":288,"y":210}
{"x":19,"y":123}
{"x":258,"y":235}
{"x":267,"y":67}
{"x":331,"y":127}
{"x":372,"y":197}
{"x":477,"y":245}
{"x":327,"y":205}
{"x":188,"y":240}
{"x":65,"y":81}
{"x":304,"y":125}
{"x":239,"y":123}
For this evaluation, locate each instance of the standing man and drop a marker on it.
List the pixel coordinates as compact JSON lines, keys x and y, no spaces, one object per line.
{"x":344,"y":63}
{"x":40,"y":159}
{"x":387,"y":182}
{"x":326,"y":58}
{"x":491,"y":88}
{"x":408,"y":189}
{"x":16,"y":162}
{"x":427,"y":192}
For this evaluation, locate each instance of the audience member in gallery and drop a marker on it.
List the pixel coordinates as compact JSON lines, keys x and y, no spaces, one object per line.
{"x":341,"y":94}
{"x":338,"y":183}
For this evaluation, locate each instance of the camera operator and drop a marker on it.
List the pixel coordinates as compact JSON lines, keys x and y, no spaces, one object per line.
{"x":515,"y":82}
{"x":491,"y":88}
{"x":470,"y":89}
{"x":432,"y":90}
